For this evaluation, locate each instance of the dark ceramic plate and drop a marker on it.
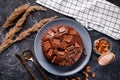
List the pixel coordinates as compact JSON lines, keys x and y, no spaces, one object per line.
{"x":57,"y":70}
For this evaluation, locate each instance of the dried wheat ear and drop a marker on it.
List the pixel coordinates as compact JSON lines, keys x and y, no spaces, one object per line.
{"x":15,"y":14}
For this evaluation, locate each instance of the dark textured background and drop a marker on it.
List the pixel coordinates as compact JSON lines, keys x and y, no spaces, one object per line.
{"x":10,"y":67}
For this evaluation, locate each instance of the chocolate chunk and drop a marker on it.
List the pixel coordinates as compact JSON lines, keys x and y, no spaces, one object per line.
{"x":80,"y":49}
{"x":46,"y":45}
{"x":67,"y":38}
{"x":61,"y":53}
{"x":62,"y":29}
{"x":78,"y":39}
{"x":55,"y":51}
{"x":50,"y":52}
{"x":63,"y":63}
{"x":73,"y":40}
{"x":77,"y":55}
{"x":73,"y":32}
{"x":70,"y":48}
{"x":73,"y":51}
{"x":46,"y":37}
{"x":63,"y":44}
{"x":74,"y":56}
{"x":47,"y":57}
{"x":71,"y":55}
{"x":58,"y":35}
{"x":70,"y":61}
{"x":56,"y":42}
{"x":55,"y":29}
{"x":59,"y":58}
{"x":51,"y":33}
{"x":77,"y":45}
{"x":53,"y":59}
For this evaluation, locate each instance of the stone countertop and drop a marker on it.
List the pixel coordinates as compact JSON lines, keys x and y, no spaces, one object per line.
{"x":10,"y":67}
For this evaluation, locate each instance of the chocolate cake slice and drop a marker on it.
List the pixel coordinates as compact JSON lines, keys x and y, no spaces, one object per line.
{"x":62,"y":45}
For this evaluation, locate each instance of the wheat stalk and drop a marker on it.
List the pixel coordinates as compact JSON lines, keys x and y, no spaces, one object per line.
{"x":33,"y":29}
{"x":15,"y":14}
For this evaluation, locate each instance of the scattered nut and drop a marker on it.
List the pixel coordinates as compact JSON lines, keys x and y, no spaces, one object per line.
{"x":66,"y":79}
{"x":86,"y":78}
{"x":73,"y":79}
{"x":88,"y":67}
{"x":86,"y":75}
{"x":93,"y":74}
{"x":87,"y":70}
{"x":78,"y":78}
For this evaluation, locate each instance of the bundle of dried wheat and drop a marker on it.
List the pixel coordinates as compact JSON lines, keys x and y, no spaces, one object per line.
{"x":9,"y":36}
{"x":25,"y":33}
